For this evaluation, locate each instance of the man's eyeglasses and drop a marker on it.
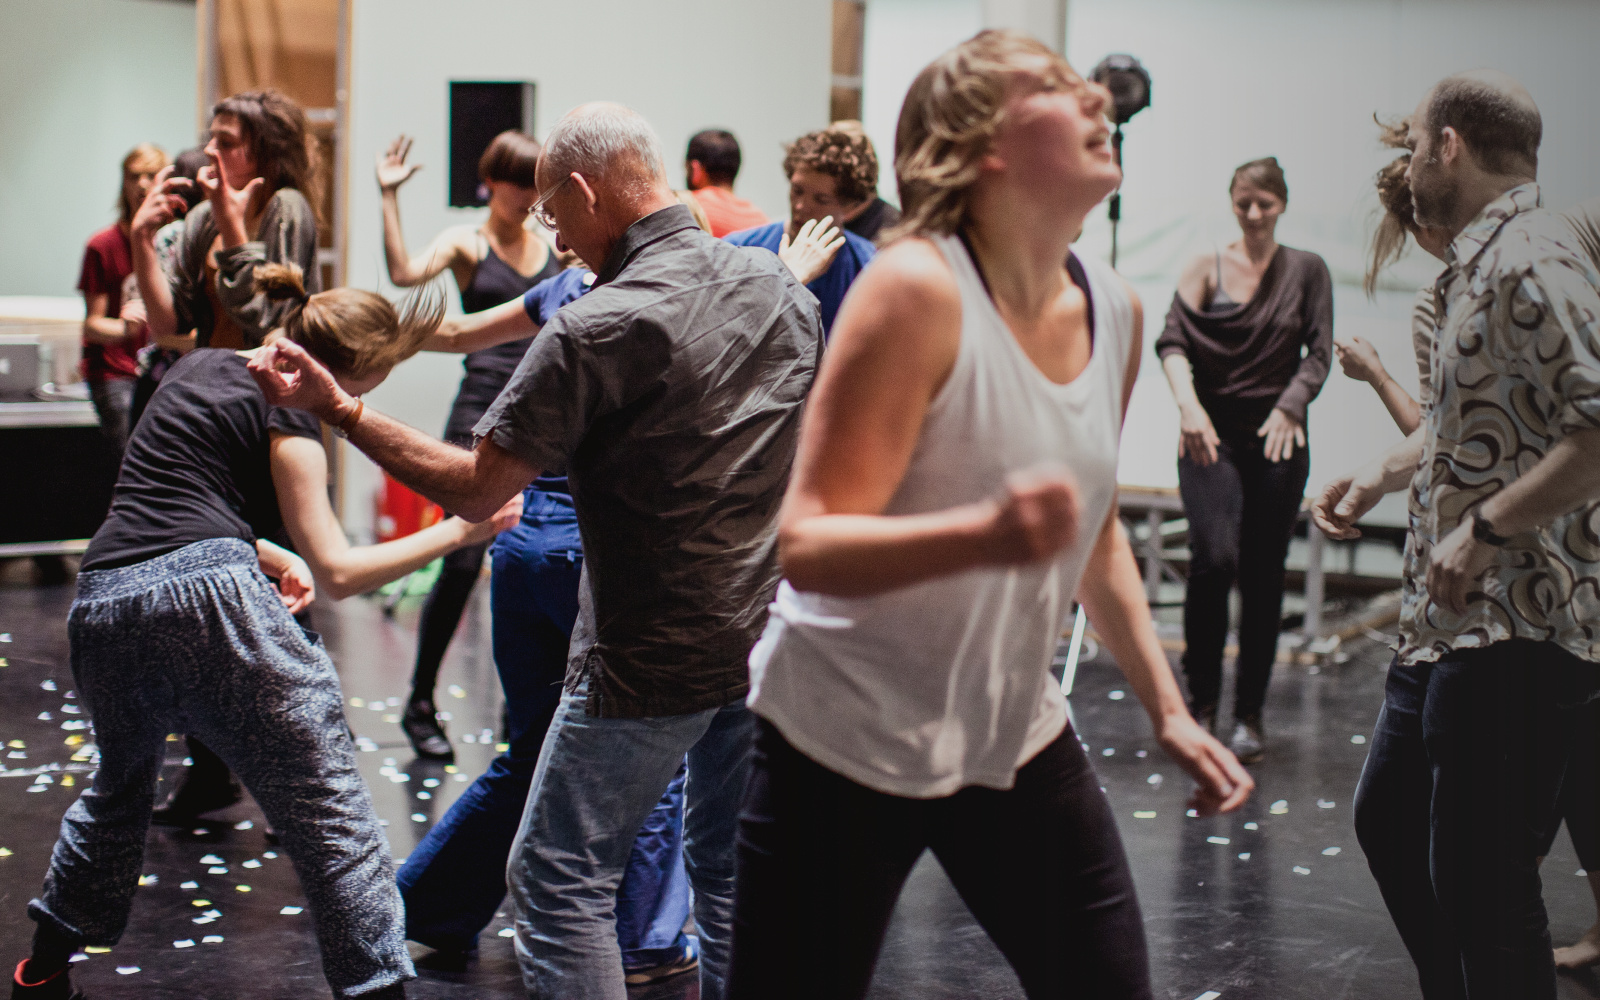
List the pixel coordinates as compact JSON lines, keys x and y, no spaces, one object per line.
{"x":540,"y":213}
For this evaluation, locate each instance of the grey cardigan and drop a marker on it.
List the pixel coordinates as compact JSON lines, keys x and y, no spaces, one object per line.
{"x":287,"y":235}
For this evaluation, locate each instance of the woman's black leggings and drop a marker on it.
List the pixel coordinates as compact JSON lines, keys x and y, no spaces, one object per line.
{"x":1241,"y":512}
{"x":441,"y":613}
{"x":1040,"y":865}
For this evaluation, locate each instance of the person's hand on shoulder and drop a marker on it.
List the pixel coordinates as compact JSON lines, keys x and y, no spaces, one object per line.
{"x":811,"y":252}
{"x":290,"y":377}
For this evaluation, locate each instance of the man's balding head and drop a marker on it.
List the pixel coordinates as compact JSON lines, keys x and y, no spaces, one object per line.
{"x":610,"y":144}
{"x":1495,"y":117}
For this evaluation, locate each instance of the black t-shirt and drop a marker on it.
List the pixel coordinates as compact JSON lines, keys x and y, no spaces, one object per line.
{"x":197,"y":465}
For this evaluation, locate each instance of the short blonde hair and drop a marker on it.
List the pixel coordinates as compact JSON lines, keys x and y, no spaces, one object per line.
{"x":949,"y":120}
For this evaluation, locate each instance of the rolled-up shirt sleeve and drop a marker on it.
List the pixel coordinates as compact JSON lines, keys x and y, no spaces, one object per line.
{"x":1316,"y":338}
{"x":1552,"y":331}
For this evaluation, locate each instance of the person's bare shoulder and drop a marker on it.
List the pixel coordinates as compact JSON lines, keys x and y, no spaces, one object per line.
{"x":907,"y":301}
{"x":1194,"y":281}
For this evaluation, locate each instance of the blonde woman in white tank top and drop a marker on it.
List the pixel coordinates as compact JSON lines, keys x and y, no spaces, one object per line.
{"x":955,"y":490}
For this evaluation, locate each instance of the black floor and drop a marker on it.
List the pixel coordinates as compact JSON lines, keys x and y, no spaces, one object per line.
{"x":1280,"y":911}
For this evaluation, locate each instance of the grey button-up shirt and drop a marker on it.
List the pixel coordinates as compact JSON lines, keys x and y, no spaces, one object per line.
{"x":671,"y":396}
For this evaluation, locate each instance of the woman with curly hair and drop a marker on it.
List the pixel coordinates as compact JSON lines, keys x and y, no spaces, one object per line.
{"x":259,"y":188}
{"x":831,"y":172}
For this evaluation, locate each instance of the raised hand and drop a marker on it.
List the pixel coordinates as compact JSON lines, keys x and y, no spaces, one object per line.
{"x":161,"y":205}
{"x":393,"y":170}
{"x":1360,"y":361}
{"x":1037,"y":517}
{"x":811,"y":252}
{"x":289,"y":376}
{"x":230,"y":206}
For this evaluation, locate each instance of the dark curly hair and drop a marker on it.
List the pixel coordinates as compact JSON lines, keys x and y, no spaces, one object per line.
{"x":843,"y":153}
{"x":285,"y":151}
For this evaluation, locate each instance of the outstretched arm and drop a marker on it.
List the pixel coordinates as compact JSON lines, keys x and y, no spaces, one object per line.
{"x":445,"y":251}
{"x":501,"y":324}
{"x":474,"y":484}
{"x":300,"y":472}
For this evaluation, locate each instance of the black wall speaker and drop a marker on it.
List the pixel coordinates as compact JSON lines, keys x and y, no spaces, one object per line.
{"x":479,"y":111}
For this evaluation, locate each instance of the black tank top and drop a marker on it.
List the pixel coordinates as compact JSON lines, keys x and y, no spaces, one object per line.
{"x":487,"y":371}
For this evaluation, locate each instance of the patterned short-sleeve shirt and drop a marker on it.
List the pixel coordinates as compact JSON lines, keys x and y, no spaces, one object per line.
{"x":1515,"y":368}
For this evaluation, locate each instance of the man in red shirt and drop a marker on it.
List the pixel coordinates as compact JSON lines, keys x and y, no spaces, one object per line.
{"x":712,"y":163}
{"x":111,"y":343}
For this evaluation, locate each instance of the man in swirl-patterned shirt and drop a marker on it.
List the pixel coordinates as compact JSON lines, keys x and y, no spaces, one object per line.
{"x":1500,"y":619}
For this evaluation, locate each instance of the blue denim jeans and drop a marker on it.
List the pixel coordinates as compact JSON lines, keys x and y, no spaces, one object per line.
{"x":197,"y":641}
{"x":1456,"y":803}
{"x":455,"y":879}
{"x":596,"y":782}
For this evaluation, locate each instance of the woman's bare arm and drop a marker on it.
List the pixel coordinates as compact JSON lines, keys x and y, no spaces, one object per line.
{"x":892,"y":348}
{"x":300,"y":474}
{"x":501,"y":324}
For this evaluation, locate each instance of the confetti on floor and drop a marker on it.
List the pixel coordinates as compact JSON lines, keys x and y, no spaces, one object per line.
{"x":1144,"y":814}
{"x":1218,"y":840}
{"x":199,"y":902}
{"x":244,"y":824}
{"x":252,"y":863}
{"x":149,"y":879}
{"x":211,"y":859}
{"x":1252,"y":825}
{"x":457,"y":692}
{"x":1358,"y":739}
{"x":1208,"y":995}
{"x":418,"y":818}
{"x":1279,"y":808}
{"x":291,"y":911}
{"x":1117,"y":695}
{"x":508,"y":932}
{"x":190,"y":885}
{"x":127,"y":970}
{"x":5,"y":852}
{"x":211,"y":939}
{"x":1244,"y":856}
{"x":1107,"y":752}
{"x":1301,"y":870}
{"x":185,"y":943}
{"x":1324,"y":804}
{"x":1330,"y":852}
{"x":241,"y":888}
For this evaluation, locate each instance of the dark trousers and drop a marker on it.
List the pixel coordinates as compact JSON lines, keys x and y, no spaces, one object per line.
{"x":1241,"y":511}
{"x":1580,"y":791}
{"x":113,"y":403}
{"x":455,"y":879}
{"x":1455,"y":805}
{"x":441,"y":613}
{"x":1040,"y":865}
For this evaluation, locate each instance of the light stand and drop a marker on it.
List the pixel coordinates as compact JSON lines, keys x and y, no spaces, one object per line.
{"x":1129,"y":84}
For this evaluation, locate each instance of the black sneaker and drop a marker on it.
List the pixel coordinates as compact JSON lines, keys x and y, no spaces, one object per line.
{"x":423,"y":729}
{"x":57,"y":987}
{"x":1247,"y":743}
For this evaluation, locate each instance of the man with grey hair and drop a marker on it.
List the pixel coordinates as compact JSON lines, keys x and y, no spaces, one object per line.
{"x":1502,"y":573}
{"x":671,"y":396}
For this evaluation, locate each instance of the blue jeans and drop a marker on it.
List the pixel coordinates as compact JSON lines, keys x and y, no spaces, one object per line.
{"x":455,"y":879}
{"x":197,"y":641}
{"x":1456,"y":803}
{"x":596,"y":783}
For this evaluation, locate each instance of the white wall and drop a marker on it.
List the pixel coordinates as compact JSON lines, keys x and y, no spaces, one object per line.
{"x":758,"y":69}
{"x":83,"y":81}
{"x":1239,"y":79}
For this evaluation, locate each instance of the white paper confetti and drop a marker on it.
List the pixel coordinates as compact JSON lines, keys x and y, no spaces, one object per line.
{"x":456,"y":692}
{"x":252,"y":863}
{"x":185,"y":943}
{"x":127,"y":970}
{"x":424,"y":795}
{"x":1208,"y":995}
{"x":1142,"y":754}
{"x":241,"y":888}
{"x":1244,"y":856}
{"x":1108,"y":751}
{"x":269,"y":855}
{"x":190,"y":885}
{"x":1330,"y":852}
{"x":211,"y":859}
{"x":1252,"y":825}
{"x":79,"y":957}
{"x":211,"y":939}
{"x":1154,"y":781}
{"x":46,"y":717}
{"x":1301,"y":870}
{"x":149,"y":879}
{"x":1324,"y":804}
{"x":1358,"y":739}
{"x":469,"y":738}
{"x":508,"y":932}
{"x":47,"y":684}
{"x":1117,"y":695}
{"x":418,"y":818}
{"x":1279,"y":808}
{"x":430,"y":783}
{"x":357,"y":703}
{"x":1224,"y":841}
{"x":244,"y":824}
{"x":217,"y":870}
{"x":1144,"y":814}
{"x":291,"y":911}
{"x":1193,"y":814}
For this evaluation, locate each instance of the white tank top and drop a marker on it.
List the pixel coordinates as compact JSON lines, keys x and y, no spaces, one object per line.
{"x":926,"y":689}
